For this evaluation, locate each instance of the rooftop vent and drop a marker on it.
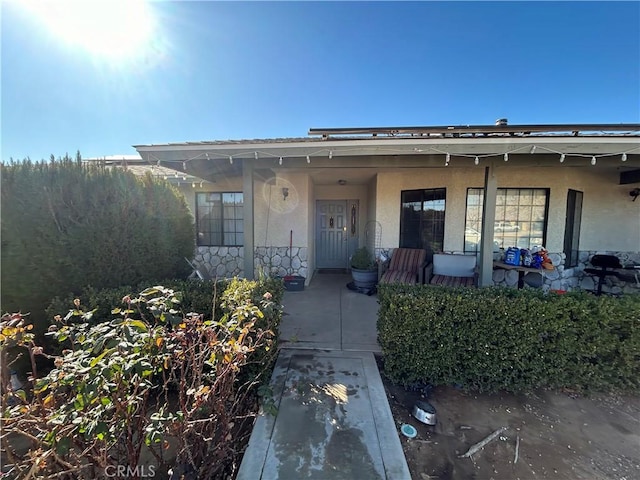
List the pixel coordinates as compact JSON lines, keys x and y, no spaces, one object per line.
{"x":501,"y":122}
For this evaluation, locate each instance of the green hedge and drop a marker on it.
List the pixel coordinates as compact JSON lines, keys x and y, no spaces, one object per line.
{"x":197,"y":296}
{"x":66,"y":225}
{"x":494,"y":339}
{"x":214,"y":299}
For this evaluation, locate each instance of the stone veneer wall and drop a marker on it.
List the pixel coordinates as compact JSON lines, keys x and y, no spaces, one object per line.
{"x":572,"y":278}
{"x":282,"y":261}
{"x":221,"y":262}
{"x":611,"y":284}
{"x":568,"y":278}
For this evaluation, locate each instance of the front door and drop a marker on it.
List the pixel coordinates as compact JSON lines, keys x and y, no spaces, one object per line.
{"x":332,"y":235}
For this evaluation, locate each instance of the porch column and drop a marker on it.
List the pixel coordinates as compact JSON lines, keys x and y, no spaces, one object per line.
{"x":247,"y":199}
{"x":488,"y":220}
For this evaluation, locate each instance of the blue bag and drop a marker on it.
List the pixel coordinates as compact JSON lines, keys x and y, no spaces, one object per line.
{"x":512,"y":256}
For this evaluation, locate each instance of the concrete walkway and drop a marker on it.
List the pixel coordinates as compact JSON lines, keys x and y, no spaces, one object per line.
{"x":333,"y":421}
{"x":327,"y":315}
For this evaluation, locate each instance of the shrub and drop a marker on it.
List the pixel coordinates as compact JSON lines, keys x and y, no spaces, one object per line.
{"x":362,"y":259}
{"x":152,"y":376}
{"x":66,"y":225}
{"x":197,"y":296}
{"x":504,"y":339}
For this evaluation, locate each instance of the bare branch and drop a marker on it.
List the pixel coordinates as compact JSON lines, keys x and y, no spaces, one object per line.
{"x":480,"y":445}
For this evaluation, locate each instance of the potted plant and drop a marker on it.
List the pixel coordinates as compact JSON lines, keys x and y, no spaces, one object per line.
{"x":364,"y":268}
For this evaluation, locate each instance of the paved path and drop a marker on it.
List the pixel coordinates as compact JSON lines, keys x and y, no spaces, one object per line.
{"x":333,"y":422}
{"x":327,"y":315}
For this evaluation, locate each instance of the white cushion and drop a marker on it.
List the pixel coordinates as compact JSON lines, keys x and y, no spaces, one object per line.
{"x":454,"y":265}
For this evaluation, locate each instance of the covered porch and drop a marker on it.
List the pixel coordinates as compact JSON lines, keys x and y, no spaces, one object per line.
{"x":307,"y":203}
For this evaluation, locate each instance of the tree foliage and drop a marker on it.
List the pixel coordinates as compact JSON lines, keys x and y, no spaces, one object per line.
{"x":66,"y":225}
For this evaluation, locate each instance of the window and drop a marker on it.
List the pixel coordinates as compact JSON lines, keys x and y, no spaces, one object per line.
{"x":572,"y":228}
{"x":422,"y":219}
{"x":521,"y":218}
{"x":219,"y":219}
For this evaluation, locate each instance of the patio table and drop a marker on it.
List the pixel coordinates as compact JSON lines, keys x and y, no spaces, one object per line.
{"x":522,"y":270}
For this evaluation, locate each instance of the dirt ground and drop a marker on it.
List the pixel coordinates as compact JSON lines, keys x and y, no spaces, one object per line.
{"x":559,"y":435}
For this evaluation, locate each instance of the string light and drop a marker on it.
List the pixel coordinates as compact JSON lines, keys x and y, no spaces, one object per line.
{"x":184,"y":178}
{"x":193,"y":185}
{"x":154,"y":161}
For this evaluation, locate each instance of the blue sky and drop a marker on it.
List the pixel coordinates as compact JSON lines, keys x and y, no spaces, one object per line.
{"x":218,"y":70}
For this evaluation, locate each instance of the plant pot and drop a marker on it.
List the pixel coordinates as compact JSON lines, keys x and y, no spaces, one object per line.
{"x":364,"y":278}
{"x":294,"y":283}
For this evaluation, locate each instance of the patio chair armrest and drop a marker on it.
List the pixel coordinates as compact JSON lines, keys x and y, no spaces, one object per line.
{"x":421,"y":272}
{"x":383,"y":267}
{"x":427,"y":271}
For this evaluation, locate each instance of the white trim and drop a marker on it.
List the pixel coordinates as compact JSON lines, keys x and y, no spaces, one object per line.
{"x":409,"y":146}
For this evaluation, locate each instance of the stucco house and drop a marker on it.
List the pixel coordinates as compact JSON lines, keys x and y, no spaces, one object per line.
{"x":300,"y":205}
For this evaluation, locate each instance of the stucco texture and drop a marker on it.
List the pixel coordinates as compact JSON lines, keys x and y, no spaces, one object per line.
{"x":610,"y":220}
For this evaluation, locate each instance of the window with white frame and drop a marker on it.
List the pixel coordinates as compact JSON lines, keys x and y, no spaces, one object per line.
{"x":521,"y":218}
{"x":219,"y":219}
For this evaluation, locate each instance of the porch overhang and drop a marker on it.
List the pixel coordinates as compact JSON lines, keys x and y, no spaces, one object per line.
{"x":209,"y":160}
{"x":493,"y":149}
{"x":317,"y":148}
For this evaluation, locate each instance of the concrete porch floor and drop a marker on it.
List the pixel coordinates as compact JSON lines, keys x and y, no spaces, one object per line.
{"x":333,"y":420}
{"x":327,"y":315}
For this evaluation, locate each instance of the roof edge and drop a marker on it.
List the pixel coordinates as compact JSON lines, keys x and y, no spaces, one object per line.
{"x":574,"y":129}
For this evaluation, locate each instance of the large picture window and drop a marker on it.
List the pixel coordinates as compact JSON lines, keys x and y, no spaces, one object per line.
{"x":521,"y":218}
{"x":219,"y":219}
{"x":422,"y":219}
